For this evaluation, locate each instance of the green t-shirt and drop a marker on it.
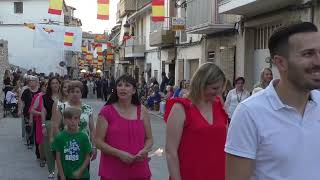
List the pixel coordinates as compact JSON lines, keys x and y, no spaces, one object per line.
{"x":73,"y":149}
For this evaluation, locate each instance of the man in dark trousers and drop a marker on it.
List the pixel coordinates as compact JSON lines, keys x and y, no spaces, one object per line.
{"x":164,"y":82}
{"x":105,"y":87}
{"x":99,"y":88}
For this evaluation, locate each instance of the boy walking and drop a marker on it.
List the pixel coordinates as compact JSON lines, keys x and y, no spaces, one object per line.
{"x":72,"y":148}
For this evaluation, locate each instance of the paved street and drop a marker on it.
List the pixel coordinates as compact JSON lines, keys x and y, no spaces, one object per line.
{"x":19,"y":163}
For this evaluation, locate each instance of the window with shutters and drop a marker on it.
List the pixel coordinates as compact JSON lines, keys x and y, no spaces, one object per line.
{"x":18,"y":7}
{"x":262,"y":35}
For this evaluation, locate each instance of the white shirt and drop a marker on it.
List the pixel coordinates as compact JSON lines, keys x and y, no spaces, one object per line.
{"x":233,"y":99}
{"x":283,"y":144}
{"x":11,"y":98}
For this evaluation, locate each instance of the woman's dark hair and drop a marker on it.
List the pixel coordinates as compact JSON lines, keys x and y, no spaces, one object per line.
{"x":49,"y":90}
{"x":127,"y":79}
{"x":239,"y":79}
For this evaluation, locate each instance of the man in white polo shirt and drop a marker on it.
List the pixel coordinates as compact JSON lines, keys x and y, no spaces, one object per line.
{"x":274,"y":134}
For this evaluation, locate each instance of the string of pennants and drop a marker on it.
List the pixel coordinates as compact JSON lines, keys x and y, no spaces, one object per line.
{"x":56,"y":8}
{"x":88,"y":48}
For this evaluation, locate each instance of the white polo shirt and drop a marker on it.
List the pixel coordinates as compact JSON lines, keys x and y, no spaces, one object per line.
{"x":284,"y":145}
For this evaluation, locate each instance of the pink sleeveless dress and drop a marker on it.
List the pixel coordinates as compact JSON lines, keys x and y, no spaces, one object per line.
{"x":127,"y":135}
{"x":37,"y":118}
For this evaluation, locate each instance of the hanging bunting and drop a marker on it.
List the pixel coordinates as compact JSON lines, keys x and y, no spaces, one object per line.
{"x":103,"y":9}
{"x":30,"y":25}
{"x":100,"y":37}
{"x":100,"y":58}
{"x":157,"y":10}
{"x":110,"y":56}
{"x":68,"y":38}
{"x":89,"y":58}
{"x":55,"y":7}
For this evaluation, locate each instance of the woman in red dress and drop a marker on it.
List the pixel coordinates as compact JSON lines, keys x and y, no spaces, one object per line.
{"x":197,"y":128}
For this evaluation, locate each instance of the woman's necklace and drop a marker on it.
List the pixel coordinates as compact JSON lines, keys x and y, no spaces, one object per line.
{"x":239,"y":97}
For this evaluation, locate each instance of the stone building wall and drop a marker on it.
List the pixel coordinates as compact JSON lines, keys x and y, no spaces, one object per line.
{"x":4,"y":64}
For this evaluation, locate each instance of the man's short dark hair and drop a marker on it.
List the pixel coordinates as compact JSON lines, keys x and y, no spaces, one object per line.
{"x":279,"y":40}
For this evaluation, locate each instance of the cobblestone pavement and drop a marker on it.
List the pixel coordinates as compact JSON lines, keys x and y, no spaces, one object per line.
{"x":19,"y":163}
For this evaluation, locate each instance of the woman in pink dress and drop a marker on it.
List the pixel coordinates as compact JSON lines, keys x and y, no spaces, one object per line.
{"x":35,"y":115}
{"x":123,"y":134}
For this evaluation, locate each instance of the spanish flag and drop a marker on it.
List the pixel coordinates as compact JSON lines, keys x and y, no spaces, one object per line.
{"x":98,"y":47}
{"x":157,"y":10}
{"x":68,"y":38}
{"x":84,"y":49}
{"x":55,"y":7}
{"x":100,"y":58}
{"x":103,"y":9}
{"x":110,"y":56}
{"x":89,"y":57}
{"x":30,"y":25}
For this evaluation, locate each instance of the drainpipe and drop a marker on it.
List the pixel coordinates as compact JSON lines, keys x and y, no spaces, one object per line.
{"x":234,"y":62}
{"x":313,"y":4}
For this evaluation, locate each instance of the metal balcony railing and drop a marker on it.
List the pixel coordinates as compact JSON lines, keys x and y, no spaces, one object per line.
{"x":222,"y":2}
{"x":141,"y":3}
{"x":136,"y":40}
{"x":158,"y":26}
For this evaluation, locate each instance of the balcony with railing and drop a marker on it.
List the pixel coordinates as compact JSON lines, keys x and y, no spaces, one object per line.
{"x":135,"y":46}
{"x":161,"y":34}
{"x":253,"y":7}
{"x":203,"y":18}
{"x":142,"y":3}
{"x":126,"y":6}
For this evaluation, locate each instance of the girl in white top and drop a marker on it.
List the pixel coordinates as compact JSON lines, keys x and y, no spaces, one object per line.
{"x":235,"y":96}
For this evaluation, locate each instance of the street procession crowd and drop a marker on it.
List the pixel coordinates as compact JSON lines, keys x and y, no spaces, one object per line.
{"x":213,"y":131}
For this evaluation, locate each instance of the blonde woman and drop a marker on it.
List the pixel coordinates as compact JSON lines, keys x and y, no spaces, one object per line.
{"x":266,"y":77}
{"x":197,"y":127}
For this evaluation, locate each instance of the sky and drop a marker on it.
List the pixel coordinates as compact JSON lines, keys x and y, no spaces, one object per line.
{"x":87,"y":12}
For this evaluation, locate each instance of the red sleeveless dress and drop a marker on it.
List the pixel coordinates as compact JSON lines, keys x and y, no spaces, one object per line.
{"x":201,"y":150}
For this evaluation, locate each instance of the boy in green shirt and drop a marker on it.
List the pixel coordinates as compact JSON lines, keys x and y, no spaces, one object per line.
{"x":72,"y":148}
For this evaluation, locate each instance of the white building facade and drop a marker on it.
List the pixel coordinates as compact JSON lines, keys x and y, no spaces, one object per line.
{"x":13,"y":15}
{"x":258,"y":21}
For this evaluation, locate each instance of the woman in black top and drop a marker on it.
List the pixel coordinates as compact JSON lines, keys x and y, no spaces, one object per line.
{"x":6,"y":81}
{"x":52,"y":95}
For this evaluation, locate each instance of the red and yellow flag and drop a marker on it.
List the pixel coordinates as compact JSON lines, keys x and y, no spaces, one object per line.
{"x":84,"y":49}
{"x":55,"y":7}
{"x":68,"y":38}
{"x":157,"y":10}
{"x":100,"y":59}
{"x":110,"y":56}
{"x":89,"y":58}
{"x":98,"y":47}
{"x":103,"y":9}
{"x":30,"y":25}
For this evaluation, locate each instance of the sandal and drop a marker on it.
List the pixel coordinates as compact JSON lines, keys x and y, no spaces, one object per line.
{"x":51,"y":176}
